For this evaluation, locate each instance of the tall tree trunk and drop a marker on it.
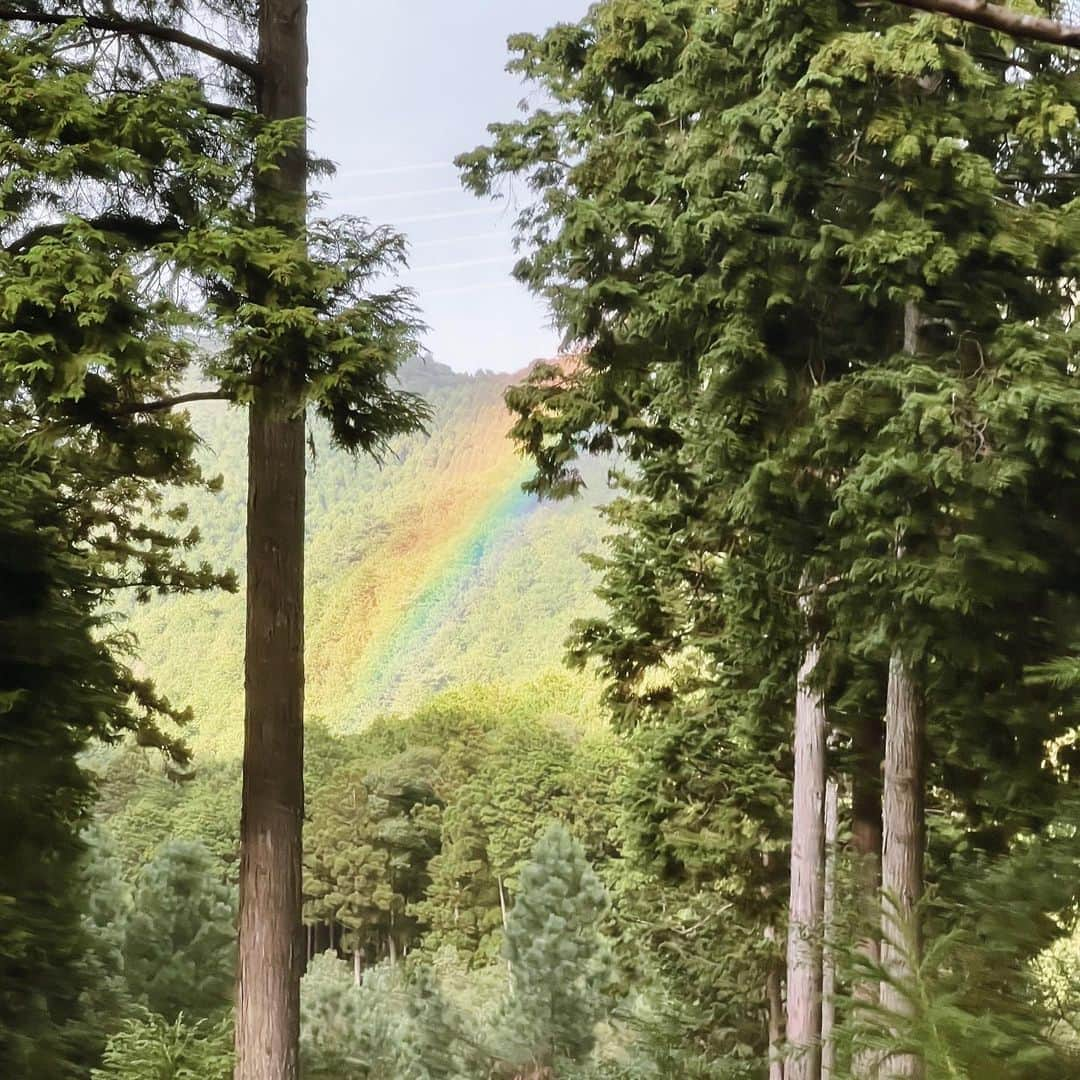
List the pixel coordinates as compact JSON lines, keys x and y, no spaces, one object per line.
{"x":828,"y":961}
{"x":271,"y":943}
{"x":807,"y":879}
{"x":866,"y":853}
{"x":903,"y":818}
{"x":356,"y":968}
{"x":903,"y":841}
{"x":502,"y":909}
{"x":502,"y":902}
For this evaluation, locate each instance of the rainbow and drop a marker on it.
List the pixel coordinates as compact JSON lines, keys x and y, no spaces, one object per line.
{"x":433,"y":571}
{"x":372,"y":628}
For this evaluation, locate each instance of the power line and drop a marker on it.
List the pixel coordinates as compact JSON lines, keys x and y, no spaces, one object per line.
{"x":390,"y":170}
{"x":468,"y":238}
{"x":448,"y":215}
{"x":399,"y":195}
{"x":505,"y":284}
{"x":464,"y":264}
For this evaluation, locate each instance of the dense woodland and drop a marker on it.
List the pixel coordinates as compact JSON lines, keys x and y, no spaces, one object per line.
{"x":816,"y":265}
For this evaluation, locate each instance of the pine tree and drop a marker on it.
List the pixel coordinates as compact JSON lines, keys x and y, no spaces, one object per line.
{"x":106,"y":1000}
{"x":179,"y":940}
{"x":434,"y":1042}
{"x":346,"y":1029}
{"x":558,"y":959}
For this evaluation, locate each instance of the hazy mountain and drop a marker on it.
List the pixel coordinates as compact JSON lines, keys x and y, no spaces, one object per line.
{"x":428,"y":570}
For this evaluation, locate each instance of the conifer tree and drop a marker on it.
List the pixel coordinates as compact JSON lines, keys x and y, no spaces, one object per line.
{"x":216,"y":193}
{"x":62,"y":684}
{"x":150,"y":1046}
{"x":106,"y":1000}
{"x":346,"y":1029}
{"x":370,"y":841}
{"x":557,"y":957}
{"x":180,"y":937}
{"x":434,"y":1044}
{"x":733,"y":209}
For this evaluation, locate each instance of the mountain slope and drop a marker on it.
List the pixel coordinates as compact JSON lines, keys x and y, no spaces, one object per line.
{"x":429,"y":570}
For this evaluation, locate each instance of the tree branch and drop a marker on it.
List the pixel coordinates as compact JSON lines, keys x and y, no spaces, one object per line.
{"x":1004,"y":19}
{"x":132,"y":227}
{"x":139,"y":28}
{"x":162,"y":405}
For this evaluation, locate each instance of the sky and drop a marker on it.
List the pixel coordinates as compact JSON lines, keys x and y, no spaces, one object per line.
{"x":397,"y":89}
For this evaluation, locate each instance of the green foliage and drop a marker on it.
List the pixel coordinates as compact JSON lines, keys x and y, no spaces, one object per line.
{"x":476,"y":757}
{"x":346,"y":1029}
{"x":153,"y":1048}
{"x":180,"y":939}
{"x":560,"y":965}
{"x":86,"y":337}
{"x":511,"y":784}
{"x":196,"y":204}
{"x":146,"y":804}
{"x":61,"y":685}
{"x":734,"y":209}
{"x":453,"y":580}
{"x":106,"y":897}
{"x":367,"y":851}
{"x":435,"y":1041}
{"x":448,"y":1023}
{"x":972,"y":1007}
{"x":1057,"y":988}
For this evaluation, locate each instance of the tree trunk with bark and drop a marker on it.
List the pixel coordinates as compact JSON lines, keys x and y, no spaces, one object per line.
{"x":828,"y":960}
{"x":903,"y":818}
{"x":271,"y":942}
{"x":807,"y":879}
{"x":502,"y":903}
{"x":866,"y":857}
{"x":903,"y":841}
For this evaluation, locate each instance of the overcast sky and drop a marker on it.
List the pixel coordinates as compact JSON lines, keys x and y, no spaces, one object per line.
{"x":398,"y":89}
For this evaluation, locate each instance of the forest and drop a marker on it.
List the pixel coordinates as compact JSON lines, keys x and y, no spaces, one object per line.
{"x":295,"y":780}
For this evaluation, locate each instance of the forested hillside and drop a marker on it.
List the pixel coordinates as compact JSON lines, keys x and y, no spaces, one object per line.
{"x":806,"y":806}
{"x":428,"y":570}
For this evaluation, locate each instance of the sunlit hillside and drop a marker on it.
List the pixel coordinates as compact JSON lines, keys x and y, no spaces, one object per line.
{"x":429,"y":570}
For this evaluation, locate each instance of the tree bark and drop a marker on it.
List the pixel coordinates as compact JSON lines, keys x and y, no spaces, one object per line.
{"x":271,"y":943}
{"x":903,"y":841}
{"x":866,"y":853}
{"x":502,"y":911}
{"x":807,"y":879}
{"x":828,"y":961}
{"x":356,"y":968}
{"x":1004,"y":19}
{"x":903,"y":819}
{"x":502,"y":902}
